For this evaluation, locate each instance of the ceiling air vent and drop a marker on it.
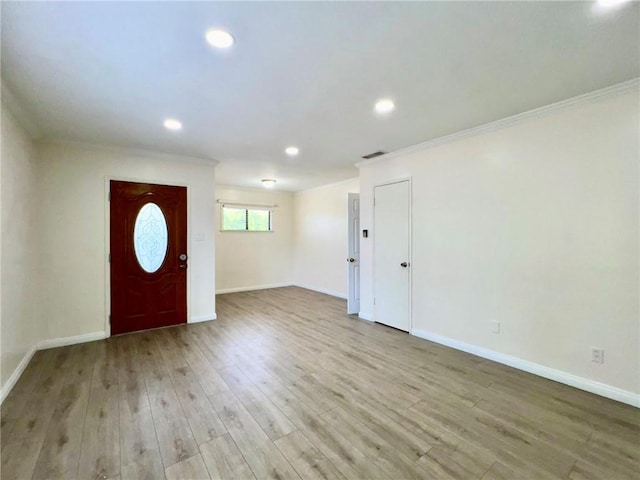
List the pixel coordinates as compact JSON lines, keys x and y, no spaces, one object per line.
{"x":373,"y":155}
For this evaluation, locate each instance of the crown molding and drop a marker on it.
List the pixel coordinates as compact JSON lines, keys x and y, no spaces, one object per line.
{"x":613,"y":90}
{"x":328,"y":185}
{"x":128,"y":151}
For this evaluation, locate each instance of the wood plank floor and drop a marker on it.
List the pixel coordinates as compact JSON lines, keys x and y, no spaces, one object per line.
{"x":285,"y":385}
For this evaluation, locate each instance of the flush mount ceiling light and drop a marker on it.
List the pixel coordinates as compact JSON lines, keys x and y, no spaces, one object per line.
{"x":220,"y":38}
{"x":292,"y":151}
{"x":384,"y":106}
{"x":172,"y":124}
{"x":268,"y":182}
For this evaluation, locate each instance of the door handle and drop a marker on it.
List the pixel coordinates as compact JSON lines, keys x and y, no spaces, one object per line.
{"x":404,"y":264}
{"x":351,"y":260}
{"x":183,"y":266}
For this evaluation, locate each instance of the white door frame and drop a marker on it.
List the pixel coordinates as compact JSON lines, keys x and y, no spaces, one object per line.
{"x":353,"y":252}
{"x":107,"y":239}
{"x":410,"y":260}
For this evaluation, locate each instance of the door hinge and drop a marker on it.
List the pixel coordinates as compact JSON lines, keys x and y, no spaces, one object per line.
{"x":109,"y":319}
{"x":109,"y":258}
{"x":109,"y":196}
{"x":374,"y":300}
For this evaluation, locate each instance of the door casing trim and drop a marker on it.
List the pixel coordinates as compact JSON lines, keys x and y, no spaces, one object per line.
{"x":350,"y":285}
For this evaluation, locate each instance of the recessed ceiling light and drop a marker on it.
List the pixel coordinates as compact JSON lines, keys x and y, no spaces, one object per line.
{"x":268,"y":182}
{"x":172,"y":124}
{"x":292,"y":151}
{"x":220,"y":38}
{"x":384,"y":106}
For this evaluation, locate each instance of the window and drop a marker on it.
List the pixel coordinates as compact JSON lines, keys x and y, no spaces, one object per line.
{"x":150,"y":237}
{"x":246,"y":219}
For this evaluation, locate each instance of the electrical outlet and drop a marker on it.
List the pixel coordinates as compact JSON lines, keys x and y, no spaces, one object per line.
{"x":495,"y":327}
{"x":597,"y":355}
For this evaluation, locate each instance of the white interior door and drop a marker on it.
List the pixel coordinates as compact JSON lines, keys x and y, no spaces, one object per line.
{"x":391,"y":254}
{"x":353,"y":299}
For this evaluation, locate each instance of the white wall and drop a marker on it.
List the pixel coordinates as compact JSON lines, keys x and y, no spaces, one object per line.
{"x":536,"y":226}
{"x":74,"y":222}
{"x":250,"y":260}
{"x":321,"y":237}
{"x":21,"y":329}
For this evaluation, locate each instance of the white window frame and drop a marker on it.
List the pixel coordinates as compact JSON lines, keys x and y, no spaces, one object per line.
{"x":246,"y":206}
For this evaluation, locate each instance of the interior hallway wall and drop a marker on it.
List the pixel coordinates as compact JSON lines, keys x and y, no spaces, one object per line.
{"x":321,"y":237}
{"x":534,"y":225}
{"x":21,"y":326}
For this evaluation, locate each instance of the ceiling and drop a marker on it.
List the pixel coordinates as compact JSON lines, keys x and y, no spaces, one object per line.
{"x":303,"y":74}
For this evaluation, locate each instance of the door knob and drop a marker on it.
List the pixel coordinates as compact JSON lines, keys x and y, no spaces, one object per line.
{"x":351,"y":260}
{"x":404,"y":264}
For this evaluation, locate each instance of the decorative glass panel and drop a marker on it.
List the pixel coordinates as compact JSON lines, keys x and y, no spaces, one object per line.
{"x":150,"y":237}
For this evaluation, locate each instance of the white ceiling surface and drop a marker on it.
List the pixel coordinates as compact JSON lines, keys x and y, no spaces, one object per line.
{"x":304,"y":74}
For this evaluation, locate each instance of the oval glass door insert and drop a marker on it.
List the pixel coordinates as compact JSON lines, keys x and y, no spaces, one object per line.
{"x":150,"y":237}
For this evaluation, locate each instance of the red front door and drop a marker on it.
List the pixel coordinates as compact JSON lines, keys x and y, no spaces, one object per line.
{"x":148,"y":256}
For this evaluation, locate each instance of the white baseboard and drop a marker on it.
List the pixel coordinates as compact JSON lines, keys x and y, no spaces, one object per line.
{"x":64,"y":341}
{"x":365,"y":316}
{"x":582,"y":383}
{"x":17,"y":373}
{"x":44,"y":345}
{"x":203,"y":318}
{"x":333,"y":293}
{"x":254,"y":287}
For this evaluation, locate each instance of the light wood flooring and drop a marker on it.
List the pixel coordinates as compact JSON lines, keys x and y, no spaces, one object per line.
{"x":285,"y":385}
